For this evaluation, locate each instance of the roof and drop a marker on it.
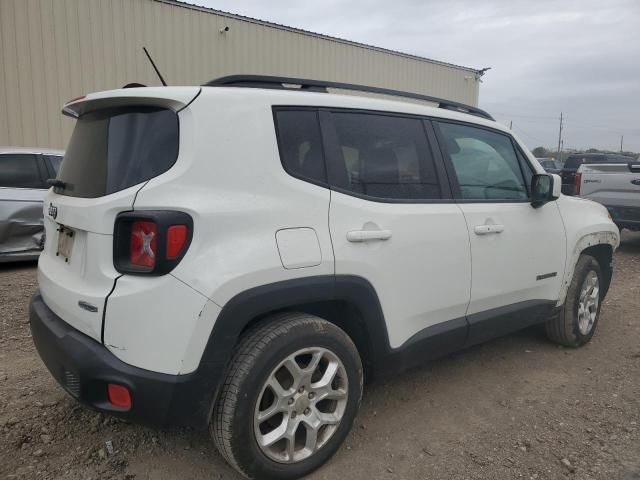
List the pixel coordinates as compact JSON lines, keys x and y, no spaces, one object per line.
{"x":314,"y":34}
{"x":32,"y":150}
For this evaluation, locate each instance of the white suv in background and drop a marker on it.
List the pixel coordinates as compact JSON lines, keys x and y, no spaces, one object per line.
{"x":241,"y":255}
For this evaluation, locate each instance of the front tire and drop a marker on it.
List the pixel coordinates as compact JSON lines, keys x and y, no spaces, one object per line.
{"x":291,"y":393}
{"x":577,"y":320}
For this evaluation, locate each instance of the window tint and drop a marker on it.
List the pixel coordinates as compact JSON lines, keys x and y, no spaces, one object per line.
{"x":383,"y":156}
{"x":113,"y":149}
{"x":54,"y":161}
{"x":20,"y":171}
{"x":485,"y":162}
{"x":300,"y":144}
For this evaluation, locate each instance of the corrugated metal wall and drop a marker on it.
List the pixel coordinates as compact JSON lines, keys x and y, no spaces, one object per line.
{"x":54,"y":50}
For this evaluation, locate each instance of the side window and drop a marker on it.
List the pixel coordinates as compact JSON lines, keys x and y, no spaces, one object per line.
{"x":383,"y":156}
{"x":485,"y":163}
{"x":300,"y":144}
{"x":19,"y":171}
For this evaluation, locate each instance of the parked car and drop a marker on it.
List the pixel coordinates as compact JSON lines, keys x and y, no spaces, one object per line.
{"x":238,"y":256}
{"x":23,"y":185}
{"x":573,"y":162}
{"x":550,"y":165}
{"x":616,"y":186}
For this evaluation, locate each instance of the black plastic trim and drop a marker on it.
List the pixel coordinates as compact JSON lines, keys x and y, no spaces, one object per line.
{"x":507,"y":319}
{"x":266,"y":81}
{"x":158,"y":399}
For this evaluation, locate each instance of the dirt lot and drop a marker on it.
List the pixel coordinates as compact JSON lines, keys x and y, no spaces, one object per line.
{"x":517,"y":407}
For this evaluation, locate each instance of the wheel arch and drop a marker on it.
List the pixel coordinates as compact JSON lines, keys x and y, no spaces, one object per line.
{"x":599,"y":245}
{"x":349,"y":302}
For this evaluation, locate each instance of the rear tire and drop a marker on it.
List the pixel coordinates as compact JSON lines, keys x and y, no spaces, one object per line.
{"x":577,"y":320}
{"x":312,"y":409}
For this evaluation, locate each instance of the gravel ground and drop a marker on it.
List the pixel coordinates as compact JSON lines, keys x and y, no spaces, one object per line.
{"x":517,"y":407}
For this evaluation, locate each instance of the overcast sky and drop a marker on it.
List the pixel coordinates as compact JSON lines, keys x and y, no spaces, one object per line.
{"x":580,"y":57}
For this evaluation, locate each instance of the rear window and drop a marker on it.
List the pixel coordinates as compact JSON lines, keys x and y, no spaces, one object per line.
{"x":113,"y":149}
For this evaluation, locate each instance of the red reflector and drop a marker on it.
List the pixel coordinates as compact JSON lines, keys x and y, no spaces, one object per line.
{"x":142,"y":247}
{"x":118,"y":395}
{"x":176,"y":237}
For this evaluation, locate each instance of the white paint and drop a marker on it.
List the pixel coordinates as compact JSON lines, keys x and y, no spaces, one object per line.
{"x":298,"y":247}
{"x":251,"y":219}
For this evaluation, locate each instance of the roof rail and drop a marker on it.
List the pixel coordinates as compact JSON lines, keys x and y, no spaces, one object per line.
{"x":265,"y":81}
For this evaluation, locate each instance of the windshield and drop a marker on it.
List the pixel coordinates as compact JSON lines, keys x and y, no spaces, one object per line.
{"x":113,"y":149}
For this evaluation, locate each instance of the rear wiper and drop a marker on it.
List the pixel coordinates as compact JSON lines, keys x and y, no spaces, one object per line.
{"x":55,"y":183}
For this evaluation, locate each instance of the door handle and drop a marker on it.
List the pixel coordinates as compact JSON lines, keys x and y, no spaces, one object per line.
{"x":368,"y":235}
{"x":486,"y":229}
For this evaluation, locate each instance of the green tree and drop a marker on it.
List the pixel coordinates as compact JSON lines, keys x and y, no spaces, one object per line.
{"x":540,"y":152}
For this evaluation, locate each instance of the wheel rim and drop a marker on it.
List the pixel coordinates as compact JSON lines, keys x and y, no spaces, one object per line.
{"x":301,"y":405}
{"x":588,"y":302}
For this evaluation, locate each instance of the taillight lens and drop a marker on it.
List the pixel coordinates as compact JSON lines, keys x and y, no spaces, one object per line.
{"x":143,"y":245}
{"x":151,"y":242}
{"x":578,"y":181}
{"x":176,"y":238}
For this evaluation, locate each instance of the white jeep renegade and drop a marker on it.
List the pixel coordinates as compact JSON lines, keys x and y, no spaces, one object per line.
{"x":238,"y":256}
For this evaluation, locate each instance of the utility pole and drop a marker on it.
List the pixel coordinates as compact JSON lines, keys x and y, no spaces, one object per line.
{"x":560,"y":136}
{"x":621,"y":140}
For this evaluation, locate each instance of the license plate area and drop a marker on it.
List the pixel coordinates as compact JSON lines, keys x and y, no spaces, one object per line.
{"x":66,"y":238}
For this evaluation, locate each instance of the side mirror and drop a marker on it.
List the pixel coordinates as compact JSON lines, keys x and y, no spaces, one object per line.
{"x":544,"y":188}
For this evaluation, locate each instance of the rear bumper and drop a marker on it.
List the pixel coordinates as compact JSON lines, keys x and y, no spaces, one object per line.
{"x":628,"y":217}
{"x":83,"y":367}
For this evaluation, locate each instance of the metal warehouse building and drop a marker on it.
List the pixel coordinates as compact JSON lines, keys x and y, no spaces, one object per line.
{"x":54,"y":50}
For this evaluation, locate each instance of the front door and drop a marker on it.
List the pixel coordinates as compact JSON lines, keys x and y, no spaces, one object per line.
{"x":517,"y":251}
{"x":393,"y":222}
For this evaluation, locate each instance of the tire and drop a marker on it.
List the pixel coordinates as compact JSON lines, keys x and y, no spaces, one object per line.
{"x":566,"y":328}
{"x":259,"y":356}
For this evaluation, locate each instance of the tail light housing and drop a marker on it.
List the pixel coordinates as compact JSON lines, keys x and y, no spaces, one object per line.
{"x":151,"y":242}
{"x":577,"y":181}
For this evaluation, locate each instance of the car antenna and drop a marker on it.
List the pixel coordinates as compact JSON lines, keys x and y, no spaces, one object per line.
{"x":154,"y":66}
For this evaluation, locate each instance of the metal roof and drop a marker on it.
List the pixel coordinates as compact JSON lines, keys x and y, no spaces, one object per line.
{"x":314,"y":34}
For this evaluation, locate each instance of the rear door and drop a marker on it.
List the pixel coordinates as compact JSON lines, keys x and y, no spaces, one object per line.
{"x":22,"y":189}
{"x":517,"y":251}
{"x":393,"y":223}
{"x":117,"y":145}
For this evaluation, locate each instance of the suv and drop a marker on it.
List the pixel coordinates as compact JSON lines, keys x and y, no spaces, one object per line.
{"x":23,"y":186}
{"x":573,"y":162}
{"x":239,"y":256}
{"x":550,"y":165}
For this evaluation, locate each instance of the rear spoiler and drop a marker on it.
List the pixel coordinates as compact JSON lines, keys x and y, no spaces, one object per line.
{"x":174,"y":98}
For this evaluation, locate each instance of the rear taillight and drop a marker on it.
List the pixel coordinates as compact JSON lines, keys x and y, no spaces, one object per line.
{"x":150,"y":242}
{"x":577,"y":181}
{"x":176,"y":238}
{"x":143,"y":243}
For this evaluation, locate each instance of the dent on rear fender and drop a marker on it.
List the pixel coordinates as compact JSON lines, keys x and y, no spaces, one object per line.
{"x":597,"y":238}
{"x":21,"y":227}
